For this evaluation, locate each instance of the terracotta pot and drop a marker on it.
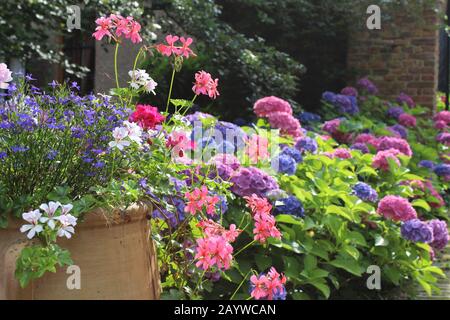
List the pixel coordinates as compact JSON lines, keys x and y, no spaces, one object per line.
{"x":115,"y":255}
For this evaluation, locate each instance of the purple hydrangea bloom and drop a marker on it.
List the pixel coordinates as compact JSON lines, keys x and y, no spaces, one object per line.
{"x":306,"y":144}
{"x":248,"y":181}
{"x":365,"y":192}
{"x":440,"y":234}
{"x":290,"y":205}
{"x":403,"y":98}
{"x":329,"y":97}
{"x":395,"y":112}
{"x":350,"y":91}
{"x":232,"y":133}
{"x":346,"y":104}
{"x":284,"y":164}
{"x":442,"y":170}
{"x":427,"y":164}
{"x":293,"y":153}
{"x":443,"y":138}
{"x":361,"y":147}
{"x":417,"y":231}
{"x":399,"y":129}
{"x":368,"y":85}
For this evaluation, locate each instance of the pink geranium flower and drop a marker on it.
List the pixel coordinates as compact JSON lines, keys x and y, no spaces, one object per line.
{"x":134,"y":32}
{"x":213,"y":251}
{"x":205,"y":85}
{"x":268,"y":285}
{"x":211,"y":228}
{"x":104,"y":26}
{"x":200,"y":199}
{"x":146,"y":116}
{"x":258,"y":205}
{"x":185,"y":51}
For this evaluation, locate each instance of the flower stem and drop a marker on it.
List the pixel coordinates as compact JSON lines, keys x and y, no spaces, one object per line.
{"x":199,"y":282}
{"x":245,"y":247}
{"x":115,"y":65}
{"x":240,"y":285}
{"x":170,"y":90}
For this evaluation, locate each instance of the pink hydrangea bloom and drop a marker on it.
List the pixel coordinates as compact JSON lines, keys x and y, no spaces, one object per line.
{"x":380,"y":160}
{"x":287,"y":124}
{"x":267,"y":105}
{"x":257,"y":148}
{"x":407,"y":120}
{"x":443,"y":138}
{"x":342,"y":153}
{"x":440,"y":125}
{"x":401,"y":145}
{"x":367,"y":138}
{"x":396,"y":208}
{"x":332,"y":127}
{"x":213,"y":251}
{"x":442,"y":116}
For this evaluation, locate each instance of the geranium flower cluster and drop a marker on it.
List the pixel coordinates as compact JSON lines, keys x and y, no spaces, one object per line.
{"x":265,"y":225}
{"x":279,"y":114}
{"x":268,"y":286}
{"x":206,"y":85}
{"x":146,"y":116}
{"x":54,"y":217}
{"x":257,"y":148}
{"x":170,"y":48}
{"x":124,"y":136}
{"x":214,"y":251}
{"x":199,"y":199}
{"x":115,"y":27}
{"x":141,"y":79}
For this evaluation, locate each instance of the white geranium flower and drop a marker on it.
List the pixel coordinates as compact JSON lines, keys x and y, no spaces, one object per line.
{"x":150,"y":86}
{"x":65,"y":209}
{"x":67,"y":225}
{"x":34,"y":227}
{"x":119,"y":135}
{"x":134,"y":131}
{"x":50,"y":209}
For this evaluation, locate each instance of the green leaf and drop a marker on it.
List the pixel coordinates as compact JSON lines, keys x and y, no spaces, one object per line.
{"x":310,"y":262}
{"x":321,"y":284}
{"x":348,"y":265}
{"x":285,"y":218}
{"x":262,"y":261}
{"x":421,"y":204}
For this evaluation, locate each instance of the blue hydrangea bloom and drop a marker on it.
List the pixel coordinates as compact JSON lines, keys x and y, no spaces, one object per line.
{"x":365,"y":192}
{"x":442,"y":170}
{"x":401,"y":130}
{"x":284,"y":164}
{"x":395,"y":112}
{"x":293,"y":153}
{"x":329,"y":97}
{"x":427,"y":164}
{"x":306,"y":144}
{"x":290,"y":205}
{"x":308,"y":117}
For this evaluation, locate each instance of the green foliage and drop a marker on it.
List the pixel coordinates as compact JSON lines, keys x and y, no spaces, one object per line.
{"x":34,"y":261}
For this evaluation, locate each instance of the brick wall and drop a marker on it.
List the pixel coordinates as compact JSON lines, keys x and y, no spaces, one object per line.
{"x":401,"y":57}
